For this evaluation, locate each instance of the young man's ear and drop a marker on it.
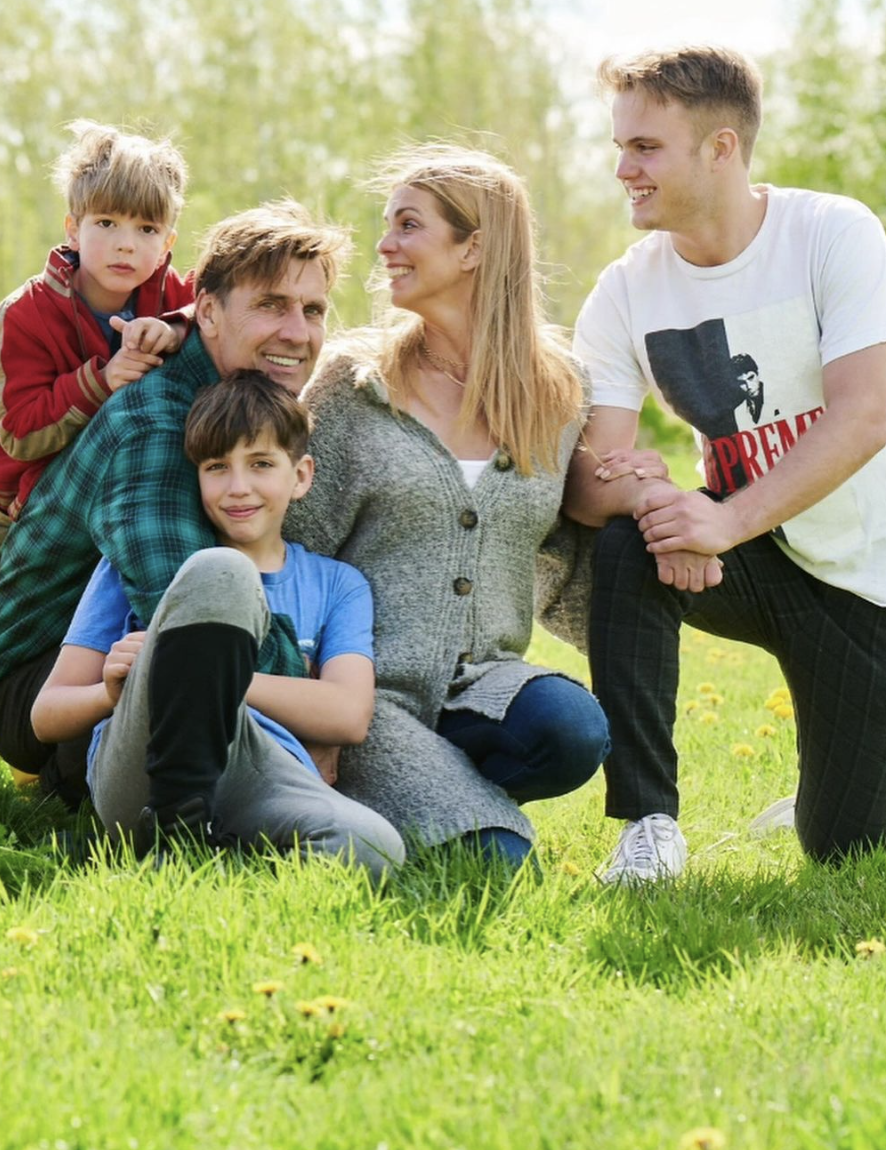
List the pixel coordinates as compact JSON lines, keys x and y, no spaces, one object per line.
{"x":304,"y":477}
{"x":724,"y":146}
{"x":171,"y":237}
{"x":473,"y":250}
{"x":72,"y":233}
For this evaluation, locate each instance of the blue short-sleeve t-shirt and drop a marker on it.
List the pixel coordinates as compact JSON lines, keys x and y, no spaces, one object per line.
{"x":329,"y":602}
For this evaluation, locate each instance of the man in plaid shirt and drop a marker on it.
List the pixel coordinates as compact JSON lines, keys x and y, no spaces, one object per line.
{"x":125,"y":488}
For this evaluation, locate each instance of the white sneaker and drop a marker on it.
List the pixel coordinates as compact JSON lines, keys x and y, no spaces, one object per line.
{"x":649,"y":849}
{"x":777,"y":816}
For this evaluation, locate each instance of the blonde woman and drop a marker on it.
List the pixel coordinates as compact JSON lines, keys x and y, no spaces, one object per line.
{"x":441,"y":444}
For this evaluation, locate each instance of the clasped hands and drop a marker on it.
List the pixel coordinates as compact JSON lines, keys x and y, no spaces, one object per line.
{"x":684,"y":530}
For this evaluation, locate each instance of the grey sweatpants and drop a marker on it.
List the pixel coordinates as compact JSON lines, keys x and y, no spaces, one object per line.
{"x":263,"y":793}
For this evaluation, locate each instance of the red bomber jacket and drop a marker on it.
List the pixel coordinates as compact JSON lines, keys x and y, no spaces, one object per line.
{"x":52,"y":351}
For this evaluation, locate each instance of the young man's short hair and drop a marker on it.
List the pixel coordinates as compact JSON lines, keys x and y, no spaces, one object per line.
{"x":105,"y":170}
{"x":710,"y":82}
{"x":257,"y":246}
{"x":242,"y":405}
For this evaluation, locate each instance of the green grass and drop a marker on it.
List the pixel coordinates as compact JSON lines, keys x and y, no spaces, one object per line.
{"x":481,"y":1010}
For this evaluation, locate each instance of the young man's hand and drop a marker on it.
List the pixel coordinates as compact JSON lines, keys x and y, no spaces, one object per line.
{"x":118,"y":663}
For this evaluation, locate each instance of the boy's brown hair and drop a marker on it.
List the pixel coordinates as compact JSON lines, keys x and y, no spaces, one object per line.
{"x":257,"y":246}
{"x":105,"y":170}
{"x":710,"y":82}
{"x":242,"y":405}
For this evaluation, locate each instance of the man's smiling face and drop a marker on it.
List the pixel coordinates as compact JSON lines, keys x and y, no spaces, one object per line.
{"x":277,"y":328}
{"x":660,"y":163}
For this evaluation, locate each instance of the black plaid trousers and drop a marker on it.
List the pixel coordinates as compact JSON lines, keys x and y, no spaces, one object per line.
{"x":830,"y":644}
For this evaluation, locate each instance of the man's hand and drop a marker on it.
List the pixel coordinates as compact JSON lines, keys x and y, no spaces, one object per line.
{"x":147,"y":333}
{"x":326,"y":760}
{"x":674,"y":520}
{"x":642,"y":464}
{"x":118,"y":663}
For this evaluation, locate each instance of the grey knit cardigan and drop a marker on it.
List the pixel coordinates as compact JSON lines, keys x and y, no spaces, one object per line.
{"x":452,"y":574}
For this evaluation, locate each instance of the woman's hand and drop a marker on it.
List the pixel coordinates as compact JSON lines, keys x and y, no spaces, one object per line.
{"x":118,"y":663}
{"x":642,"y":464}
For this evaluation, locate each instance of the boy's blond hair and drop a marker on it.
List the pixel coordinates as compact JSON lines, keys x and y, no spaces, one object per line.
{"x":105,"y":170}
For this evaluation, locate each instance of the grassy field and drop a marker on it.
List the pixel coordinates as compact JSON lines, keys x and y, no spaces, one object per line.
{"x":457,"y":1009}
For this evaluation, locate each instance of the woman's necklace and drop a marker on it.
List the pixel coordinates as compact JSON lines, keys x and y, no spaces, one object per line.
{"x":444,"y":365}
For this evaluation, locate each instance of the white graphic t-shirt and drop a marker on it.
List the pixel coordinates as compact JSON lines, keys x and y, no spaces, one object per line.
{"x":737,"y":351}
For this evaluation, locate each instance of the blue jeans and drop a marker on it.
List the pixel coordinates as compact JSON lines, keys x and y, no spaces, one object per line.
{"x":551,"y":740}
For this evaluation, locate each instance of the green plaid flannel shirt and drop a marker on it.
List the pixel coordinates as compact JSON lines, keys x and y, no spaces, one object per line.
{"x":123,"y":489}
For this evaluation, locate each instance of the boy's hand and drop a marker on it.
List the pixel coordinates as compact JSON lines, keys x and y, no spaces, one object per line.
{"x":147,"y":333}
{"x":325,"y":760}
{"x":127,"y":366}
{"x":118,"y":663}
{"x":645,"y":464}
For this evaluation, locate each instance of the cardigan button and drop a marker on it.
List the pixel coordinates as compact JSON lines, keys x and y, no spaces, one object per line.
{"x":462,"y":586}
{"x":503,"y":461}
{"x":468,"y":518}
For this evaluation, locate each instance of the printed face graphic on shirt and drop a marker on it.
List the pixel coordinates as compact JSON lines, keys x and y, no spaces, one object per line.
{"x":730,"y":381}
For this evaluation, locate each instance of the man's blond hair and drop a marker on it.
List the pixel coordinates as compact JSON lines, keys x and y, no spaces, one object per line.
{"x":257,"y":246}
{"x":713,"y":83}
{"x":106,"y":170}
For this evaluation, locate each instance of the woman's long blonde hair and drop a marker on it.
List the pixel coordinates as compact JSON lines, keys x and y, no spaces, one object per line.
{"x":521,"y":377}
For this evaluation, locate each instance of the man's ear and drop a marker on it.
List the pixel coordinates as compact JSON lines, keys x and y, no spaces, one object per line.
{"x":724,"y":146}
{"x":72,"y":233}
{"x":304,"y":472}
{"x":207,"y":307}
{"x":473,"y":250}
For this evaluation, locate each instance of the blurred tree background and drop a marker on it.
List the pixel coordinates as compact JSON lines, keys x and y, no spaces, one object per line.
{"x":267,"y":97}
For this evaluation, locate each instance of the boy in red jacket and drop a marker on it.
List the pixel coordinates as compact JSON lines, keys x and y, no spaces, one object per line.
{"x":89,"y":325}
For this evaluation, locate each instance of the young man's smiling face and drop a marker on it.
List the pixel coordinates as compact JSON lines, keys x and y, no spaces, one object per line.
{"x":662,"y":163}
{"x":277,"y":328}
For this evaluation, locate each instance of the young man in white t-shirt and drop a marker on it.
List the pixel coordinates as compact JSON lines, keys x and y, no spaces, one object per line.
{"x":759,"y":313}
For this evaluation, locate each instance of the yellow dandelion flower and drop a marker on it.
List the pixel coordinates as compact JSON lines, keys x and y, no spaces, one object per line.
{"x":304,"y":953}
{"x":336,"y":1030}
{"x":705,"y":688}
{"x":232,"y":1016}
{"x":765,"y":731}
{"x":9,"y":972}
{"x":709,"y":718}
{"x":268,"y":988}
{"x":308,"y":1009}
{"x":703,"y":1138}
{"x":23,"y":935}
{"x":869,"y":948}
{"x":771,"y":703}
{"x":783,"y":711}
{"x":692,"y":705}
{"x":570,"y":868}
{"x":330,"y":1003}
{"x":743,"y":750}
{"x":714,"y":699}
{"x":782,"y":693}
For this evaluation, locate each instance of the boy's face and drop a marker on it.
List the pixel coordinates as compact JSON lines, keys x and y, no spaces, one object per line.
{"x":246,"y":493}
{"x":117,"y":254}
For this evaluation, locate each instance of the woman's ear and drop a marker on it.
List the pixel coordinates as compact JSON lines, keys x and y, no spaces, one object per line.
{"x":473,"y":250}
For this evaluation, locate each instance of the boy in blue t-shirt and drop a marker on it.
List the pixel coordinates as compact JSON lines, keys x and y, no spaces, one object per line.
{"x":188,"y":738}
